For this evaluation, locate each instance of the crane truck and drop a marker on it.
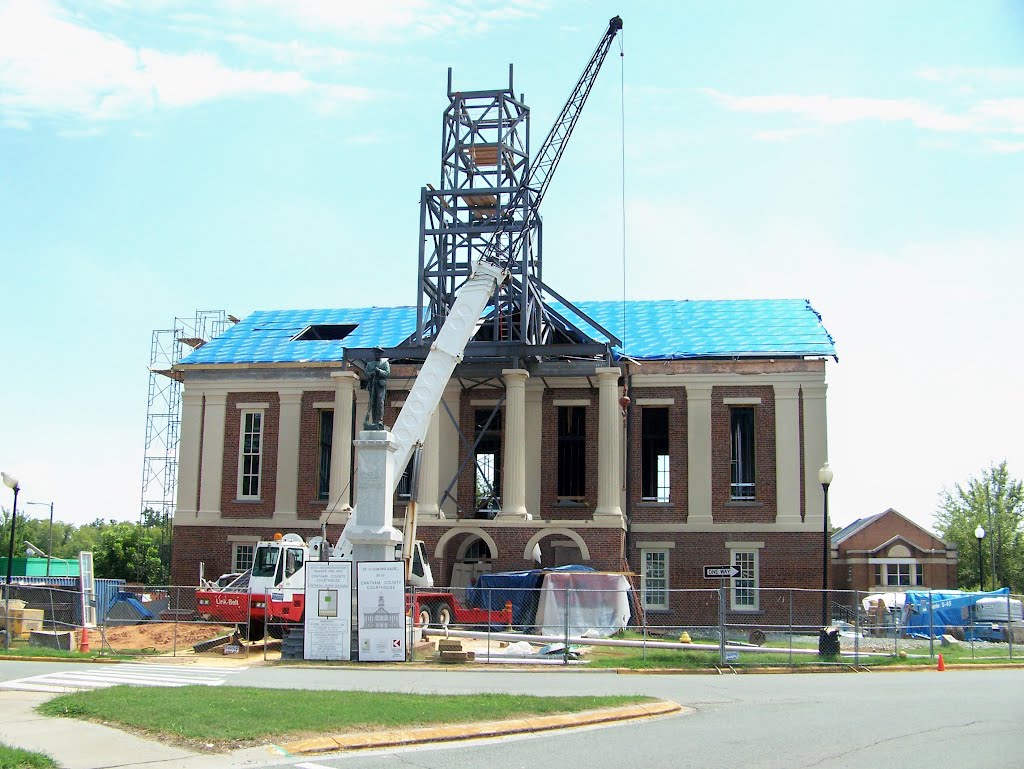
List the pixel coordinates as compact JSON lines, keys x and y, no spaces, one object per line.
{"x":272,"y":592}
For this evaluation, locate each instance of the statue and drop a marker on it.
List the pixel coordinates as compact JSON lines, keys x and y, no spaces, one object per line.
{"x":377,"y":372}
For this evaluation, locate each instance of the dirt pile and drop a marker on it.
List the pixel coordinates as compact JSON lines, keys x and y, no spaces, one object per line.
{"x":158,"y":636}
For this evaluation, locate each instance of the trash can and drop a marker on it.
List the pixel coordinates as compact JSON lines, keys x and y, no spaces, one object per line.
{"x":828,"y":642}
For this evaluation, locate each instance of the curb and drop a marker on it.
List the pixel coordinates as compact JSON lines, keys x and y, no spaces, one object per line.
{"x":406,"y":737}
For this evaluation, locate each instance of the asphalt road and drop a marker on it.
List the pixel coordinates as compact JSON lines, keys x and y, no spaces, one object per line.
{"x":750,"y":721}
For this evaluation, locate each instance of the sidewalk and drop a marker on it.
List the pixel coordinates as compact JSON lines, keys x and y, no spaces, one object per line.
{"x":76,"y":744}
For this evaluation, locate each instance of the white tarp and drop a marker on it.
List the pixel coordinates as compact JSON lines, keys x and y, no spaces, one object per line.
{"x":598,"y":604}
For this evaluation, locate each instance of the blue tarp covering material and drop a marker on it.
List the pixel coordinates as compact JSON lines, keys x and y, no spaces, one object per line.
{"x":948,"y":609}
{"x":130,"y":605}
{"x":520,"y":587}
{"x":651,"y":330}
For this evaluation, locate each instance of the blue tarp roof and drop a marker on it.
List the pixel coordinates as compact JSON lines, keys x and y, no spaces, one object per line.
{"x":651,"y":330}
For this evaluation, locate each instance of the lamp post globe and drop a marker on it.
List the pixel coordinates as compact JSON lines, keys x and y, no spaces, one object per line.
{"x":979,"y":533}
{"x":825,"y":479}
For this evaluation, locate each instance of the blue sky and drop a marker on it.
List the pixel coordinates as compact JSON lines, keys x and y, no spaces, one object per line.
{"x":165,"y":156}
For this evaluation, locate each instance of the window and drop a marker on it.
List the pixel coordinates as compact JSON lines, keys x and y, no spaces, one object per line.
{"x":878,"y":574}
{"x":292,"y":561}
{"x":265,"y":561}
{"x":403,"y":492}
{"x":654,"y":465}
{"x":744,"y":592}
{"x":250,"y":448}
{"x":243,"y":557}
{"x":487,"y":478}
{"x":572,"y":452}
{"x":741,"y":431}
{"x":899,"y":574}
{"x":919,"y":574}
{"x":325,"y":427}
{"x":655,"y":579}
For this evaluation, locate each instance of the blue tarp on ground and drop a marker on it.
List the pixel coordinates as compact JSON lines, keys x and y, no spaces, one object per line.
{"x":518,"y":587}
{"x":947,"y":609}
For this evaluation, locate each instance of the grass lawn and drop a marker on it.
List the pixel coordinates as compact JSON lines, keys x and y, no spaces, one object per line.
{"x":227,"y":716}
{"x":16,"y":758}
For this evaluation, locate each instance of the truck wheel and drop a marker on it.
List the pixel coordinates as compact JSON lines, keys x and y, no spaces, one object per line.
{"x":444,"y":615}
{"x":423,"y":618}
{"x":251,"y":631}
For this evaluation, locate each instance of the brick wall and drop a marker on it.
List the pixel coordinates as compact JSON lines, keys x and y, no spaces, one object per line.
{"x":550,"y":504}
{"x":308,"y":505}
{"x":763,"y":509}
{"x":230,"y":506}
{"x":675,"y":511}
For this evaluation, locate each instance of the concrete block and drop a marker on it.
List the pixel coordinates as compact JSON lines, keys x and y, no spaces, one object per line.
{"x":59,"y":639}
{"x":949,"y":640}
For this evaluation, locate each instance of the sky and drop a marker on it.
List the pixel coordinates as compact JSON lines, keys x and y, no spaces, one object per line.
{"x":165,"y":156}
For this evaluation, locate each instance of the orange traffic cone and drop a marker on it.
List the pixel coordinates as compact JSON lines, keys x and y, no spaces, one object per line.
{"x":83,"y":643}
{"x":942,"y":664}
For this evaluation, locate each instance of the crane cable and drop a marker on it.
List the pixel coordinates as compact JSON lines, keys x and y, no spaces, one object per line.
{"x":622,"y":141}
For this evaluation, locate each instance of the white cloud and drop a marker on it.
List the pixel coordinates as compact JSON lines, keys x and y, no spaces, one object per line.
{"x":991,"y":75}
{"x":782,"y":135}
{"x":985,"y":116}
{"x":52,"y":67}
{"x":1004,"y":147}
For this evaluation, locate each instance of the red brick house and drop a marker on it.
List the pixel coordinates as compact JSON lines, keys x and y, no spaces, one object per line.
{"x":714,"y":460}
{"x":890,"y":553}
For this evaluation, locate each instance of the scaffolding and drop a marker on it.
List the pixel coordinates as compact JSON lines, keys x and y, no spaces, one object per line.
{"x":163,"y":412}
{"x":487,"y":206}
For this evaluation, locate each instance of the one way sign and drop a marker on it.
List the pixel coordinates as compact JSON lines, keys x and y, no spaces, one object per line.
{"x":720,"y":572}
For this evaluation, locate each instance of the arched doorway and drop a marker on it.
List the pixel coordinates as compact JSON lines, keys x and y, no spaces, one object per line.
{"x":473,"y":558}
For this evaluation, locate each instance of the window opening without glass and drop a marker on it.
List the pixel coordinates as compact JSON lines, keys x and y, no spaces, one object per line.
{"x":487,"y":477}
{"x":325,"y":428}
{"x":654,"y":462}
{"x":572,"y":452}
{"x":741,"y":429}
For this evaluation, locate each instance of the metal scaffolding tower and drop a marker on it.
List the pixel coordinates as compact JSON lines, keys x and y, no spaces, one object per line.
{"x":163,"y":411}
{"x":487,"y":207}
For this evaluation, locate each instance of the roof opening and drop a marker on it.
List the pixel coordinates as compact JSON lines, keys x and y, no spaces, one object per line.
{"x":325,"y":332}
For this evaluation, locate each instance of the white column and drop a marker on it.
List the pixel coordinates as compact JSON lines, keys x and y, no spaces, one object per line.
{"x":698,"y":456}
{"x":188,"y":453}
{"x":345,"y":383}
{"x":287,"y":497}
{"x":213,"y":455}
{"x":609,"y":442}
{"x":815,"y":451}
{"x":429,"y":464}
{"x":513,"y":486}
{"x":787,"y":453}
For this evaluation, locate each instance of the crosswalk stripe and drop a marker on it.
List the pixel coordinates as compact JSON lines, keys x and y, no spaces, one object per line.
{"x":132,"y":674}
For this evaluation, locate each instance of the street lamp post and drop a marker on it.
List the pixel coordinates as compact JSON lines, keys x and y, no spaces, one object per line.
{"x":12,"y":483}
{"x":980,"y":534}
{"x":31,"y":551}
{"x":49,"y":546}
{"x":825,"y":478}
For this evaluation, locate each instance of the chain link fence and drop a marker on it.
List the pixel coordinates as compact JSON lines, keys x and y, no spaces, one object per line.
{"x":552,"y":622}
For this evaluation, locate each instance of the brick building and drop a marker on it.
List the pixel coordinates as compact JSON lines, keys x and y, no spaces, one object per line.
{"x":890,"y":553}
{"x":714,"y":459}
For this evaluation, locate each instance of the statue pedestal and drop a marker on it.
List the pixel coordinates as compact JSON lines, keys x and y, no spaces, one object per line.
{"x":372,"y":533}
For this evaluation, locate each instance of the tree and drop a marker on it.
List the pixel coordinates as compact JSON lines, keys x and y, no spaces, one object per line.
{"x":995,"y":501}
{"x":130,"y":551}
